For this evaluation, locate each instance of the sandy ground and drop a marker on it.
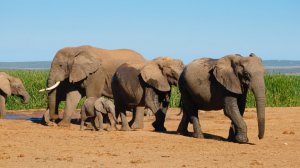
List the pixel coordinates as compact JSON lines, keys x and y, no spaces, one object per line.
{"x":25,"y":143}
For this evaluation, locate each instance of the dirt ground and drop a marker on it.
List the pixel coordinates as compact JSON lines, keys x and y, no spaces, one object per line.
{"x":26,"y":143}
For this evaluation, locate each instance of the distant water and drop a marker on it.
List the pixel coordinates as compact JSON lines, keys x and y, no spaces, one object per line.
{"x":272,"y":66}
{"x":37,"y":65}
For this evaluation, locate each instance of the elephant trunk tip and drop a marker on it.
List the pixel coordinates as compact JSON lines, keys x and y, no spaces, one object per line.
{"x":261,"y":131}
{"x":26,"y":99}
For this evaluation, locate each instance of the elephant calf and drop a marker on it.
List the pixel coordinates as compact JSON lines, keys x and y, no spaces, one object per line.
{"x":10,"y":85}
{"x":94,"y":108}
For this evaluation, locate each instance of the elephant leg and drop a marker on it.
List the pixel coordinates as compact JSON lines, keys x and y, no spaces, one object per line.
{"x":160,"y":115}
{"x":93,"y":122}
{"x":125,"y":125}
{"x":196,"y":124}
{"x":82,"y":125}
{"x":72,"y":100}
{"x":233,"y":128}
{"x":133,"y":117}
{"x":46,"y":117}
{"x":183,"y":126}
{"x":2,"y":106}
{"x":100,"y":121}
{"x":112,"y":121}
{"x":187,"y":108}
{"x":239,"y":128}
{"x":158,"y":124}
{"x":139,"y":118}
{"x":154,"y":101}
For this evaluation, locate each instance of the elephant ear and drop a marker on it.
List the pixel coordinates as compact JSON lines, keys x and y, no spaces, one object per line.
{"x":153,"y":76}
{"x":83,"y":65}
{"x":99,"y":106}
{"x":225,"y":74}
{"x":5,"y":84}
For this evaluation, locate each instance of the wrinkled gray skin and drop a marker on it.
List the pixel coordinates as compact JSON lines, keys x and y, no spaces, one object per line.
{"x":10,"y":85}
{"x":82,"y":71}
{"x":148,"y":84}
{"x":209,"y":84}
{"x":96,"y":109}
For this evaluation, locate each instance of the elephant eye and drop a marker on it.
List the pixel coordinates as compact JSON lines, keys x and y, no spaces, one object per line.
{"x":247,"y":75}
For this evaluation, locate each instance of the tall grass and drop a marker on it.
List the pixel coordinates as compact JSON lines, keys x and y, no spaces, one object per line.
{"x":33,"y":81}
{"x":281,"y":90}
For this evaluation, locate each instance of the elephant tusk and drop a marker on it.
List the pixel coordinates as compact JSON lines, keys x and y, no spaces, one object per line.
{"x":50,"y":88}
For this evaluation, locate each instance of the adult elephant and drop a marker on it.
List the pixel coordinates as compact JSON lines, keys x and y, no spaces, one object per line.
{"x":82,"y":71}
{"x":10,"y":85}
{"x":209,"y":84}
{"x":145,"y":84}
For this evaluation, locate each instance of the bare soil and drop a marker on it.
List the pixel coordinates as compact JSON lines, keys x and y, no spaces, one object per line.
{"x":26,"y":143}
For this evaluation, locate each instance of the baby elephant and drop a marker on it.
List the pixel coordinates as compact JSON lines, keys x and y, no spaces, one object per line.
{"x":94,"y":109}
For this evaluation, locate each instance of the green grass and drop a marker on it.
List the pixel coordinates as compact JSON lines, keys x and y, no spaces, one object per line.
{"x":281,"y":91}
{"x":33,"y":82}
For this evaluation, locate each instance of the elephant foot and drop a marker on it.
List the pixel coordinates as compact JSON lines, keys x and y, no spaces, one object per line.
{"x":49,"y":121}
{"x":51,"y":124}
{"x":131,"y":122}
{"x":183,"y":132}
{"x":137,"y":125}
{"x":100,"y":130}
{"x":64,"y":124}
{"x":111,"y":128}
{"x":158,"y":127}
{"x":231,"y":138}
{"x":125,"y":129}
{"x":240,"y":138}
{"x":198,"y":135}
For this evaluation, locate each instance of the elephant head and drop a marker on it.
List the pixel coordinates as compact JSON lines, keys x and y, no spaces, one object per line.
{"x":237,"y":74}
{"x":71,"y":65}
{"x":162,"y":72}
{"x":74,"y":64}
{"x":13,"y":86}
{"x":105,"y":106}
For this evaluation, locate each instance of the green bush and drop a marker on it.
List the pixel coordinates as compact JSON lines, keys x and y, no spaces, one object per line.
{"x":281,"y":90}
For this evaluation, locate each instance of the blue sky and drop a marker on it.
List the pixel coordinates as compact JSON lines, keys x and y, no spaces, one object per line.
{"x":33,"y":30}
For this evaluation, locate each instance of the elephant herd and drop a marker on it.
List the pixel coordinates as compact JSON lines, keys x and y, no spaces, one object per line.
{"x":135,"y":84}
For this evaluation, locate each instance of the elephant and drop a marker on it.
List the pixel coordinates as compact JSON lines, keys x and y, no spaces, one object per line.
{"x":96,"y":108}
{"x":82,"y":71}
{"x":10,"y":85}
{"x":214,"y":84}
{"x":145,"y":85}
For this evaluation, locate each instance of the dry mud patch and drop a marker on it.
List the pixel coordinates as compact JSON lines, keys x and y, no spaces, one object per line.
{"x":29,"y":144}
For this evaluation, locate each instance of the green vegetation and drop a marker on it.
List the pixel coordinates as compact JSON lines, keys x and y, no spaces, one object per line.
{"x":281,"y":90}
{"x":33,"y":81}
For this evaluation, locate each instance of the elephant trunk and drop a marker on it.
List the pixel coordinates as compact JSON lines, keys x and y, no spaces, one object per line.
{"x":259,"y":93}
{"x":25,"y":97}
{"x":52,"y":102}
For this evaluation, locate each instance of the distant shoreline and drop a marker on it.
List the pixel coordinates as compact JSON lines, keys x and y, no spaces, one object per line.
{"x":271,"y":66}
